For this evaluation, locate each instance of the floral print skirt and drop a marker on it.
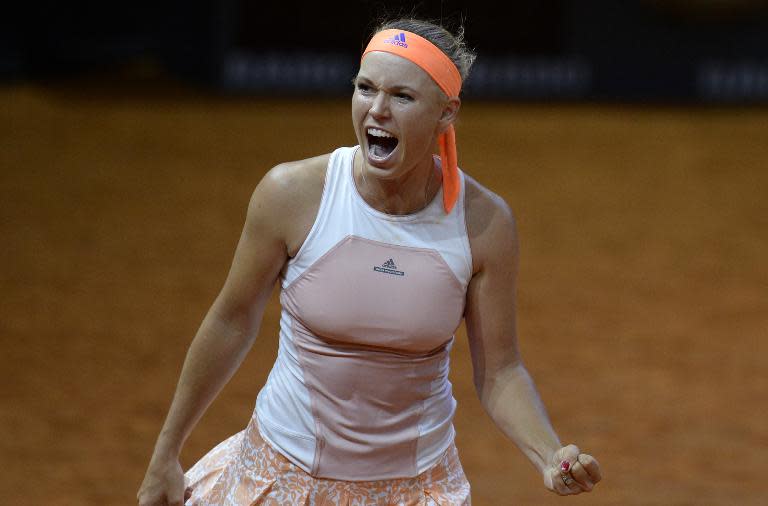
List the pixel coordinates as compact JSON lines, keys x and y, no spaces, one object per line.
{"x":245,"y":470}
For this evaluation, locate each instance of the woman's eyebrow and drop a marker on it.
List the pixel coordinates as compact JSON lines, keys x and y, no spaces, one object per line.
{"x":394,"y":88}
{"x":403,"y":88}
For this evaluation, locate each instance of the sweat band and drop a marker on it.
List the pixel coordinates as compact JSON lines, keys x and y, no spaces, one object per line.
{"x":445,"y":74}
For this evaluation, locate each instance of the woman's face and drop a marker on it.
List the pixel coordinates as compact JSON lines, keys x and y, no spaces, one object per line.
{"x":397,"y":113}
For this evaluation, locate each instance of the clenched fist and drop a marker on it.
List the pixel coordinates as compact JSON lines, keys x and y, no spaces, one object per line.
{"x":572,"y":472}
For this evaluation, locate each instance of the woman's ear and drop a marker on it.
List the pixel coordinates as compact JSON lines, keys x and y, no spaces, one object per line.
{"x":450,"y":112}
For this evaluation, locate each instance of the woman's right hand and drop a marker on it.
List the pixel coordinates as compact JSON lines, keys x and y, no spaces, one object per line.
{"x":163,"y":484}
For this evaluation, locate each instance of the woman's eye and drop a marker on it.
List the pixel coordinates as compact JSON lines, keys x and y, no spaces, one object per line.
{"x":363,"y":87}
{"x":404,"y":97}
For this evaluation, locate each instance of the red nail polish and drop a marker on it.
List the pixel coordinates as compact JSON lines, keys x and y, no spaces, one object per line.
{"x":565,"y":466}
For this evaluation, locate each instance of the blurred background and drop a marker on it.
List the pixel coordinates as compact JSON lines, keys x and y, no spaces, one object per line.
{"x":678,"y":50}
{"x":630,"y":138}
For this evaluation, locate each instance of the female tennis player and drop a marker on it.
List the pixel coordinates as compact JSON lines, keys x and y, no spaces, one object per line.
{"x":380,"y":250}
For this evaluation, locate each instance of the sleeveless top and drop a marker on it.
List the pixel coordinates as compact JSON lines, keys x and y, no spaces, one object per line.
{"x":370,"y":303}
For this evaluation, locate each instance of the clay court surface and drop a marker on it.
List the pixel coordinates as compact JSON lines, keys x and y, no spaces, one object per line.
{"x":643,"y":305}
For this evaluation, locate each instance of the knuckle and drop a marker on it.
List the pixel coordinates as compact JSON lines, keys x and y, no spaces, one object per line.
{"x":584,"y":472}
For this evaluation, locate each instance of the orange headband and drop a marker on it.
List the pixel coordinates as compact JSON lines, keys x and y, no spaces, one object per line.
{"x":445,"y":74}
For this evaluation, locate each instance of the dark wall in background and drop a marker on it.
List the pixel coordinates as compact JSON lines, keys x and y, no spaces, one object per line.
{"x":705,"y":50}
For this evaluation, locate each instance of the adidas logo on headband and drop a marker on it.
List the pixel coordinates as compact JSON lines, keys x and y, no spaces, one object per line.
{"x":397,"y":40}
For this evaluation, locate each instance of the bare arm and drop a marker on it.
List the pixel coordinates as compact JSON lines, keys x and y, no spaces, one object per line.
{"x":503,"y":384}
{"x":226,"y":333}
{"x":231,"y":324}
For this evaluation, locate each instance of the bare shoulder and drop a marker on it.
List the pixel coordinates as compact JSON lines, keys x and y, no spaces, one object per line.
{"x":293,"y":179}
{"x":288,"y":196}
{"x":490,"y":224}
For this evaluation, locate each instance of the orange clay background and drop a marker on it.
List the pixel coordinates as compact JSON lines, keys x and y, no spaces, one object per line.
{"x":643,"y":293}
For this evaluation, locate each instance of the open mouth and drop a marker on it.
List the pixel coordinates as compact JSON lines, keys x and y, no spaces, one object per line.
{"x":381,"y":144}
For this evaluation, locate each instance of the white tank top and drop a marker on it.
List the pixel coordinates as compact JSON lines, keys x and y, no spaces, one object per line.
{"x":370,"y":304}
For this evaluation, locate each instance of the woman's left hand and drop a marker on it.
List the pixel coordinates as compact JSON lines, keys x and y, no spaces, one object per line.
{"x":572,"y":472}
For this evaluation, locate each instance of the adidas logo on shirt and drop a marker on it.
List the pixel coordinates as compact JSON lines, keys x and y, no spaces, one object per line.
{"x":388,"y":267}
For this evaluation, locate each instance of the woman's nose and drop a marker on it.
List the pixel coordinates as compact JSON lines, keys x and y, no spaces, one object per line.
{"x":380,"y":105}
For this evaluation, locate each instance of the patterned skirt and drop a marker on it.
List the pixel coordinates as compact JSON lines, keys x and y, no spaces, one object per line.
{"x":245,"y":470}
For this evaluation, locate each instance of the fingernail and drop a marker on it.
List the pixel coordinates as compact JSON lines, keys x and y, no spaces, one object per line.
{"x":565,"y":466}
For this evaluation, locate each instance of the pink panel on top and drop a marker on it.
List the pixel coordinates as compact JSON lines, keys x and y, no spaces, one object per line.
{"x":380,"y":295}
{"x":371,"y":324}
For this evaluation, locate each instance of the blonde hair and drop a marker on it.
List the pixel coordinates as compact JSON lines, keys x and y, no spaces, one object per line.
{"x":453,"y":45}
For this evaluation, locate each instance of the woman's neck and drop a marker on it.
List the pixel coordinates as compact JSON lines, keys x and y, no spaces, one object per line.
{"x":405,"y":195}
